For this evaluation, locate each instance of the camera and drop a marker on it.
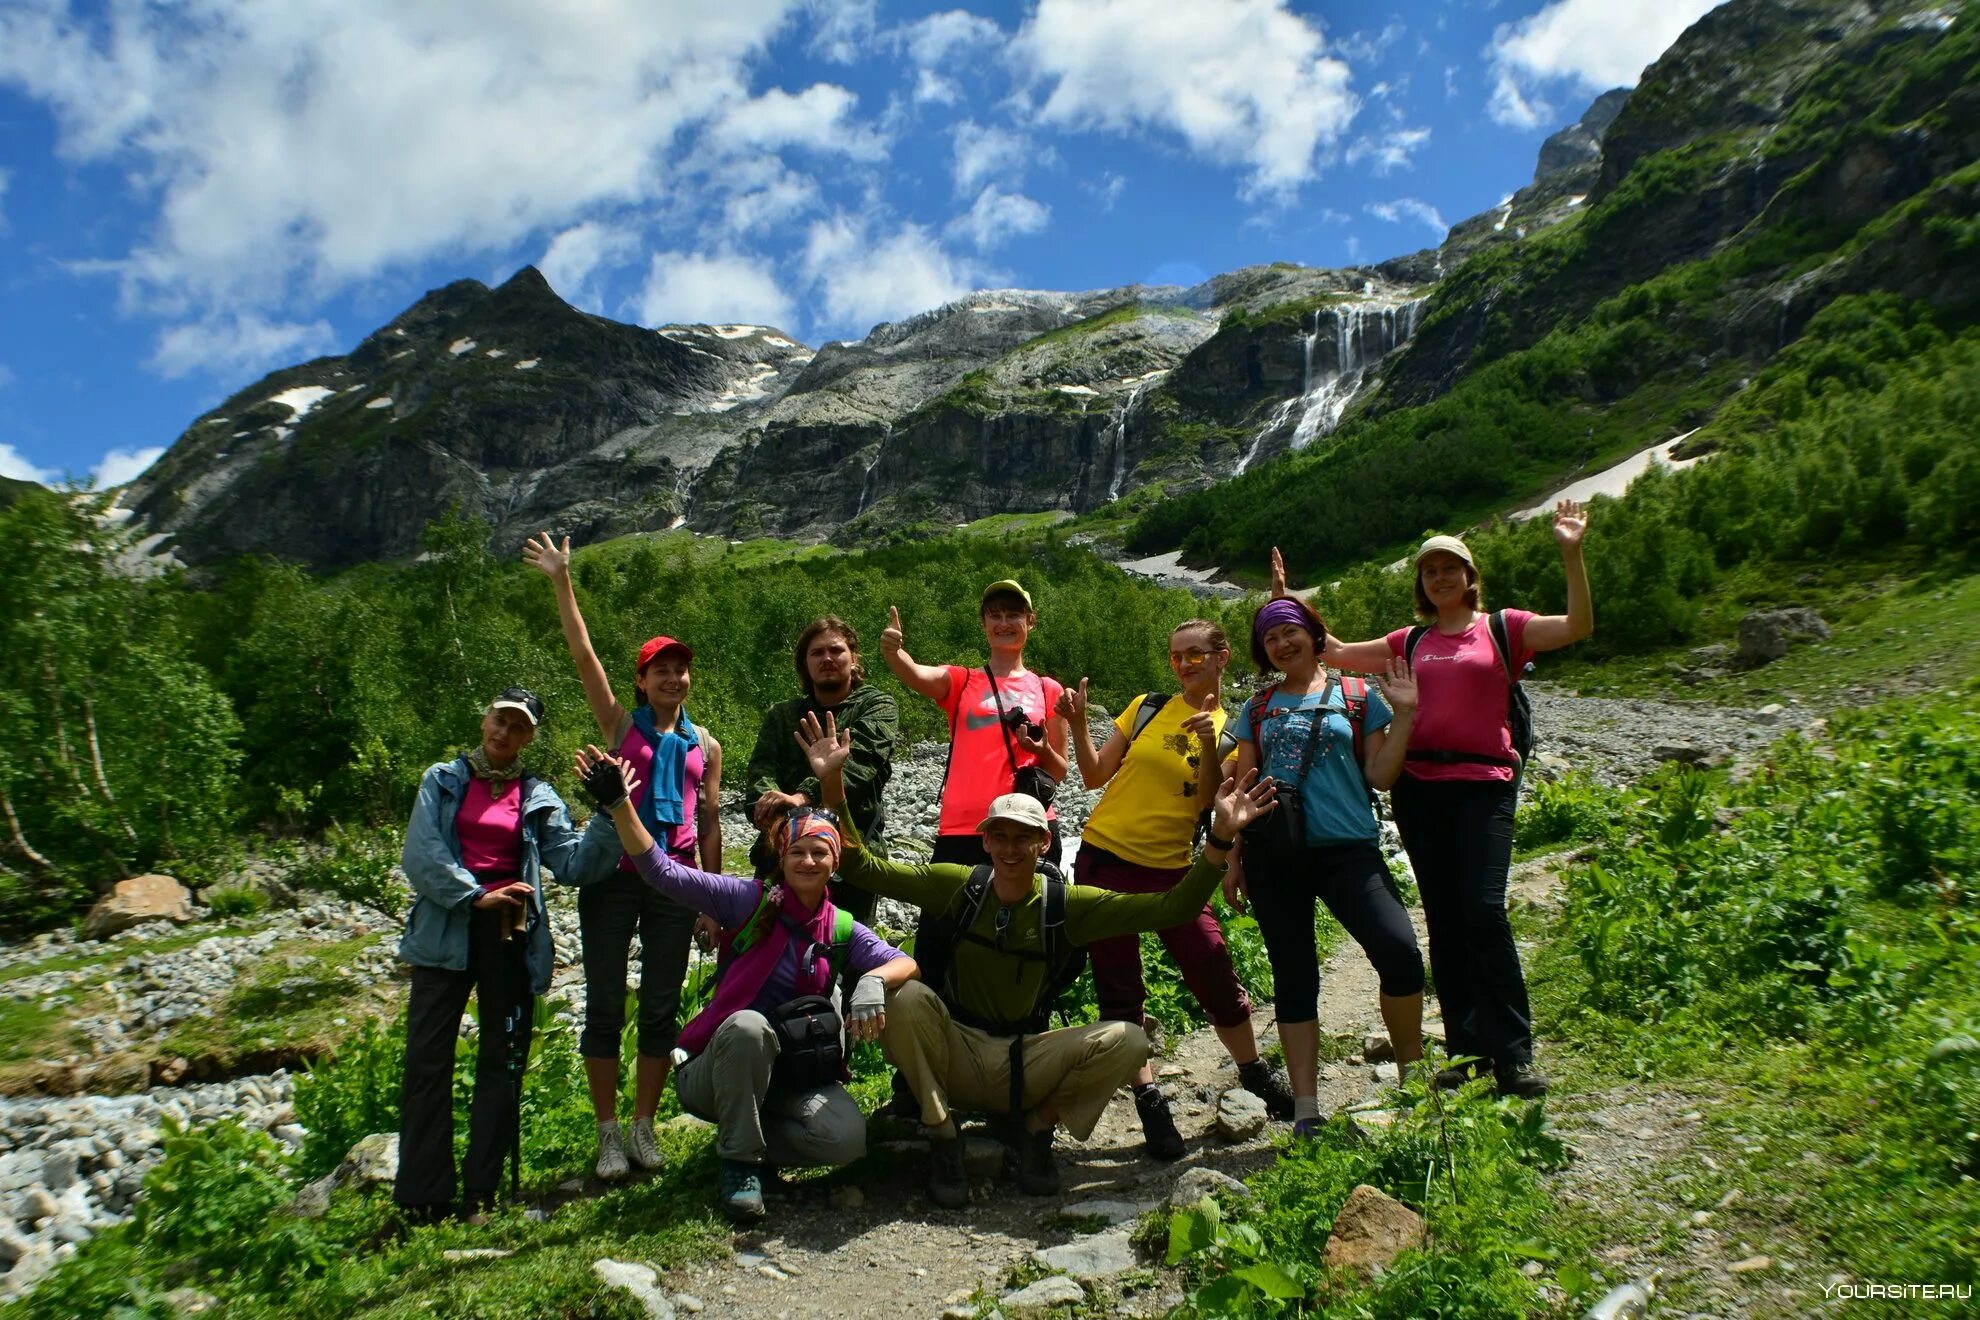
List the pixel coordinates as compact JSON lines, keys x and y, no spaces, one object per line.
{"x":1018,"y":722}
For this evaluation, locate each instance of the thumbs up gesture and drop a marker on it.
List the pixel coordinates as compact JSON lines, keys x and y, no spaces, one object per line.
{"x":890,"y":640}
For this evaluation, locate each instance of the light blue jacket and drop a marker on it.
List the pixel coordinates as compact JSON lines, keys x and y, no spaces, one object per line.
{"x":444,"y":890}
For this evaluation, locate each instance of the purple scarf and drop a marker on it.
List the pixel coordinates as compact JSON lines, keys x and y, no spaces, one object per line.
{"x":742,"y":978}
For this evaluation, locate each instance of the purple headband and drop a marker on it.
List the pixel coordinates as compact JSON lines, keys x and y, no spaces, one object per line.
{"x":1282,"y":610}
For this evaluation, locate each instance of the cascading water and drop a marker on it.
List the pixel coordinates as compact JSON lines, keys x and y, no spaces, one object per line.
{"x":866,"y":483}
{"x":1117,"y":437}
{"x":1364,"y":334}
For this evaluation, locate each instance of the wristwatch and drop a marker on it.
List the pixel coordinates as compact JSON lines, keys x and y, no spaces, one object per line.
{"x":1212,"y":841}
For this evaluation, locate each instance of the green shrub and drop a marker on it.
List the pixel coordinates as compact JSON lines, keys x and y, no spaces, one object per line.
{"x":228,"y":901}
{"x":1571,"y":809}
{"x":212,"y":1203}
{"x":351,"y":1094}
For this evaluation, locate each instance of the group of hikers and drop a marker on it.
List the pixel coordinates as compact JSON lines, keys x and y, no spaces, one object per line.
{"x":1275,"y":802}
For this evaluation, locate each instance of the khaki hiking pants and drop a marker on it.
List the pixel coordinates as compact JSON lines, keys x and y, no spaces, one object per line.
{"x":951,"y":1066}
{"x":729,"y":1084}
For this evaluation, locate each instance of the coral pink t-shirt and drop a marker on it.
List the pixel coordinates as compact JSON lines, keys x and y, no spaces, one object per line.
{"x":1461,"y":697}
{"x":979,"y":765}
{"x":489,"y":827}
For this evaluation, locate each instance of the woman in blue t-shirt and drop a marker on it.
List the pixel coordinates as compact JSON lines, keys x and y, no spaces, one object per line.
{"x":1303,"y":729}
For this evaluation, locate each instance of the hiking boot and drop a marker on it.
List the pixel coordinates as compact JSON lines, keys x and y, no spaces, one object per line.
{"x":1455,"y":1075}
{"x":1157,"y":1125}
{"x":1520,"y":1079}
{"x":742,"y":1191}
{"x":1268,"y":1084}
{"x":948,"y":1179}
{"x":612,"y":1164}
{"x":1306,"y":1129}
{"x":1038,"y":1172}
{"x":643,"y":1144}
{"x":902,"y":1103}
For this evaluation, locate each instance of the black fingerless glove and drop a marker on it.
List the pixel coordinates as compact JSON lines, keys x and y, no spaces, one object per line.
{"x":606,"y":783}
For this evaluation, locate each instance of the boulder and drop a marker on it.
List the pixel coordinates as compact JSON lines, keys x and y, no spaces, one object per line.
{"x":1764,"y":635}
{"x":1240,"y":1116}
{"x":1114,"y":1212}
{"x":135,"y":901}
{"x":1101,"y":1256}
{"x":639,"y":1280}
{"x":373,"y":1160}
{"x":1371,"y":1230}
{"x":1375,"y":1047}
{"x":1042,"y":1296}
{"x":1196,"y":1184}
{"x":313,"y":1201}
{"x":1684,"y":753}
{"x":983,"y":1158}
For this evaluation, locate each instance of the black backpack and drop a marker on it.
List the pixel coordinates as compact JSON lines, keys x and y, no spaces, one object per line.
{"x":1519,"y":706}
{"x":935,"y":949}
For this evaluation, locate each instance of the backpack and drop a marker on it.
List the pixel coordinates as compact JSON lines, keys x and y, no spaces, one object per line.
{"x":935,"y":949}
{"x":1144,"y":715}
{"x":1519,"y":706}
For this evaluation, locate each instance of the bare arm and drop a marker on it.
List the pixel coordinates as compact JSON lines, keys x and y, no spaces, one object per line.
{"x":1383,"y":752}
{"x":1095,"y":767}
{"x":931,"y":681}
{"x":1370,"y":657}
{"x":1550,"y":632}
{"x":708,"y":805}
{"x":554,"y":562}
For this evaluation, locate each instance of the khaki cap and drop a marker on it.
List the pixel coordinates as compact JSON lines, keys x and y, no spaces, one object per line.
{"x":1450,"y":545}
{"x":1020,"y":807}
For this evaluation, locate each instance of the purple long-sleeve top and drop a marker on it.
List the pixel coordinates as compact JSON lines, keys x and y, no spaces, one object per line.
{"x":731,"y":901}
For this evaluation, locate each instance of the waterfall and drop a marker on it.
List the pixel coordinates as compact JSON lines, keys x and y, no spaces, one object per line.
{"x":1364,"y":334}
{"x":684,"y":491}
{"x":1117,"y":435}
{"x":866,"y":483}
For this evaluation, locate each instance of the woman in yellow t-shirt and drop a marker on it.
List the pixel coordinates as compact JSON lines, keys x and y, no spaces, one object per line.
{"x":1161,"y":766}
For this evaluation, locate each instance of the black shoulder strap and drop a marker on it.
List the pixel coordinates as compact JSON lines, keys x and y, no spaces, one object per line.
{"x":997,"y":695}
{"x":1409,"y":644}
{"x":1503,"y":644}
{"x":1144,"y":715}
{"x":1053,"y":929}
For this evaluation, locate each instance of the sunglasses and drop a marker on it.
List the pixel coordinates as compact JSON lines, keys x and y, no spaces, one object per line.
{"x":826,"y":814}
{"x":1194,"y":656}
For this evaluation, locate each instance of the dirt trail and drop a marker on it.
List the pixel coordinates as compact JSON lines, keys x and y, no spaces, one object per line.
{"x":889,"y":1252}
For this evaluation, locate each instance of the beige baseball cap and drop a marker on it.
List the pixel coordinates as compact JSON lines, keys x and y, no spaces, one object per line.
{"x":1450,"y":545}
{"x":1020,"y":807}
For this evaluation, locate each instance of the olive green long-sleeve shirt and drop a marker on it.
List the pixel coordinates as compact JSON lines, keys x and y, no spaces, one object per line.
{"x":992,"y":981}
{"x":779,"y":764}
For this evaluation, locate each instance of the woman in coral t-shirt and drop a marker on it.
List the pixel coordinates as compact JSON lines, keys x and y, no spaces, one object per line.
{"x":1455,"y":801}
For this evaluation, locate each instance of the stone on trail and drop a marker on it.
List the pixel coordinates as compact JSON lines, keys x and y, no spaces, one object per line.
{"x":1114,"y":1212}
{"x":983,"y":1158}
{"x":313,"y":1201}
{"x":135,"y":901}
{"x":1375,"y":1047}
{"x":1240,"y":1116}
{"x":1684,"y":753}
{"x":1042,"y":1296}
{"x":1196,"y":1184}
{"x":1764,"y":635}
{"x":1371,"y":1230}
{"x":1751,"y":1265}
{"x":1101,"y":1256}
{"x":640,"y":1281}
{"x":375,"y":1159}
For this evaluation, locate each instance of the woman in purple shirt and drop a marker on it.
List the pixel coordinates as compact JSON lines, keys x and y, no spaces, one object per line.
{"x":725,"y":1056}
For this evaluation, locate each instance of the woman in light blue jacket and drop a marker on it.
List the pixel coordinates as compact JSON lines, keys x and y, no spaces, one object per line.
{"x":480,"y":835}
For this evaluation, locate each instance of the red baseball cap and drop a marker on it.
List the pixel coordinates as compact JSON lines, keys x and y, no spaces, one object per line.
{"x":659,"y":646}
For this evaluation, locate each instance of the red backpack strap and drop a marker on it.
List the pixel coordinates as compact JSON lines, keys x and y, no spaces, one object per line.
{"x":1354,"y":694}
{"x":1258,"y":706}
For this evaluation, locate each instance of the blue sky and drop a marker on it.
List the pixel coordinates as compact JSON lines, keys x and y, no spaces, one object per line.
{"x":194,"y":193}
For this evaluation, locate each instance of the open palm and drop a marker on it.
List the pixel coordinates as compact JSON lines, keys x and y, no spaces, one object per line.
{"x":824,"y":745}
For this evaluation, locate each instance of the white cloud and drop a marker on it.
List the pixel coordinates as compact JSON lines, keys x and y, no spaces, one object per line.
{"x":864,"y":278}
{"x":762,"y":204}
{"x":933,"y":40}
{"x":6,"y":375}
{"x":717,"y":288}
{"x":985,"y":151}
{"x":1108,"y":190}
{"x":3,"y":199}
{"x":1389,"y":152}
{"x":842,"y":30}
{"x":577,"y":253}
{"x":122,"y":465}
{"x":1409,"y":208}
{"x":237,"y":345}
{"x":292,"y":150}
{"x":818,"y":118}
{"x":1590,"y":45}
{"x":1367,"y":47}
{"x":1243,"y":82}
{"x":998,"y":216}
{"x":16,"y":465}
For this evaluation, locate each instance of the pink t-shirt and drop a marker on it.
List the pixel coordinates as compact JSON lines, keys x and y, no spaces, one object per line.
{"x":979,"y":765}
{"x":489,"y":828}
{"x":1461,"y":697}
{"x":637,"y":749}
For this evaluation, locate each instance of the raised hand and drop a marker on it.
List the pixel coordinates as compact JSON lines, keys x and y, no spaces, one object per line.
{"x":547,"y":557}
{"x":1570,"y":523}
{"x":890,"y":639}
{"x":1021,"y":735}
{"x":1279,"y":588}
{"x":1398,"y":685}
{"x":772,"y":806}
{"x":825,"y":746}
{"x":606,"y":778}
{"x":1238,"y":803}
{"x":1202,"y":726}
{"x":1072,"y":705}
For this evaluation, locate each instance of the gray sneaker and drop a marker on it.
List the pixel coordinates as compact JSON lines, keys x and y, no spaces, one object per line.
{"x":612,"y":1164}
{"x":644,"y":1145}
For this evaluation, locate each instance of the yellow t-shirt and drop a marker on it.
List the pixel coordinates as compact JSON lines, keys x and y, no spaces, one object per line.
{"x":1147,"y":815}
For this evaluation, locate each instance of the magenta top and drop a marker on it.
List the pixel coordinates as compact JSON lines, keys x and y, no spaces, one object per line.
{"x":637,"y":750}
{"x":489,"y":828}
{"x":1461,"y":697}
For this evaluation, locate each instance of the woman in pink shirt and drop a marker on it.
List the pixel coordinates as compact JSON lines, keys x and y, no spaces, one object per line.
{"x":1455,"y":800}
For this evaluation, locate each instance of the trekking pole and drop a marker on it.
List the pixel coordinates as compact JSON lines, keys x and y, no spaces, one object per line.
{"x":518,"y":1060}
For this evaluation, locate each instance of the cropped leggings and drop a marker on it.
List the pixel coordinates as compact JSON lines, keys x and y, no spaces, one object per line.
{"x":1354,"y":883}
{"x":609,"y":912}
